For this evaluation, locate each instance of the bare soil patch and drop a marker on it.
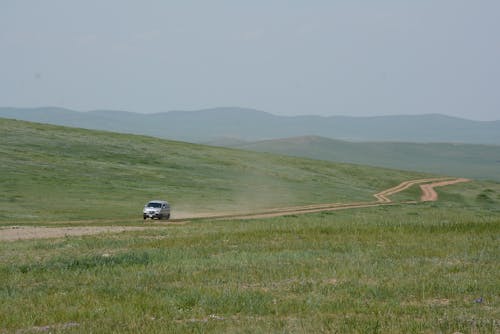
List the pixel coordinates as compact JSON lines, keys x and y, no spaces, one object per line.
{"x":34,"y":232}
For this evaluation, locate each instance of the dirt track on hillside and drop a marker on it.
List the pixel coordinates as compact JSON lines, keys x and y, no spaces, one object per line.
{"x":382,"y":198}
{"x":428,"y":192}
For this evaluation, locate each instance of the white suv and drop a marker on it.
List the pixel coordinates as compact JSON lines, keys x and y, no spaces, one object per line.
{"x":156,"y":209}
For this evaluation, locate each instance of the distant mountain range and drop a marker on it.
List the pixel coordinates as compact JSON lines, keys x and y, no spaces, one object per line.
{"x":238,"y":124}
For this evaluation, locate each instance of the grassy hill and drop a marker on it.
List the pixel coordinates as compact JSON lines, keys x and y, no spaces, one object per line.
{"x":56,"y":173}
{"x":461,"y":160}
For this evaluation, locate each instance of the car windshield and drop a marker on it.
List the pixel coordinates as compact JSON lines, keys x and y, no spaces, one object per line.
{"x":154,"y":205}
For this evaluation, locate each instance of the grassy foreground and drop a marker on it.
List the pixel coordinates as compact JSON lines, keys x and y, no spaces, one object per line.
{"x":393,"y":269}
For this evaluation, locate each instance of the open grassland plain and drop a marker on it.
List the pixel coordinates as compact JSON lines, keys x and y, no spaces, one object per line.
{"x":56,"y":174}
{"x":425,"y":267}
{"x":422,"y":268}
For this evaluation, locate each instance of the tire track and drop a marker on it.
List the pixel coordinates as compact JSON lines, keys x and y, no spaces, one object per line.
{"x":382,"y":198}
{"x":428,"y":192}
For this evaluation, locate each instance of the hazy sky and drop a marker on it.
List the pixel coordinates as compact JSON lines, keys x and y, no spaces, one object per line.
{"x":324,"y":57}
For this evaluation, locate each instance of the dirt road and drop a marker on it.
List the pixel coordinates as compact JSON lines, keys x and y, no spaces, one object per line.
{"x":38,"y":232}
{"x":382,"y":198}
{"x":428,"y":192}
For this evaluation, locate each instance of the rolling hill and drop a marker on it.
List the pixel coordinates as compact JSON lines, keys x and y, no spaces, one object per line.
{"x":462,"y":160}
{"x":54,"y":173}
{"x":252,"y":125}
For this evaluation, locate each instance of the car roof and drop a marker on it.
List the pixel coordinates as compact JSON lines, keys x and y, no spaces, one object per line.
{"x":157,"y":201}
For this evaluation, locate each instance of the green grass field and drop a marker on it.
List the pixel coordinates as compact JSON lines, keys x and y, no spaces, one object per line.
{"x":416,"y":268}
{"x":391,"y":269}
